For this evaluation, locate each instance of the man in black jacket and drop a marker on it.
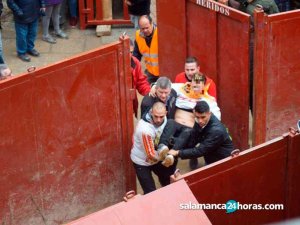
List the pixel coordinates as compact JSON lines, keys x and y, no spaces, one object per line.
{"x":165,"y":94}
{"x":26,"y":14}
{"x":209,"y":137}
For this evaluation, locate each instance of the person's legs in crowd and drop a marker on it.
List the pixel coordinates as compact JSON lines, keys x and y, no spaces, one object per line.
{"x":21,"y":41}
{"x":55,"y":19}
{"x":31,"y":37}
{"x":73,"y":9}
{"x":45,"y":24}
{"x":1,"y":51}
{"x":145,"y":178}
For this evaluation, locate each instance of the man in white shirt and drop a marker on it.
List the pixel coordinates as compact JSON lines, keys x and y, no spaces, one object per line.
{"x":144,"y":156}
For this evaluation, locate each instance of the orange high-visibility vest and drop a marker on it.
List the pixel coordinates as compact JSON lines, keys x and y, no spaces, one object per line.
{"x":150,"y":54}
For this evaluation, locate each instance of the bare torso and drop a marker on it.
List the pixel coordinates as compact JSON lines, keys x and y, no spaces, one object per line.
{"x":185,"y":118}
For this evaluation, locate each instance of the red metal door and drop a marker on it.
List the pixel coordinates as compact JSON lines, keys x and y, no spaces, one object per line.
{"x":293,"y":183}
{"x":265,"y":174}
{"x":65,"y":138}
{"x":219,"y":36}
{"x":91,"y":13}
{"x":277,"y":74}
{"x":247,"y":178}
{"x":159,"y":207}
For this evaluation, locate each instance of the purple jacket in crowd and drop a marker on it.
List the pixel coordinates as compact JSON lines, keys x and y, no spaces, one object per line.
{"x":52,"y":2}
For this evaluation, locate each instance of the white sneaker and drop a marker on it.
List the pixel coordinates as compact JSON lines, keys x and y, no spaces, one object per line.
{"x":49,"y":39}
{"x":162,"y":152}
{"x":61,"y":34}
{"x":169,"y":161}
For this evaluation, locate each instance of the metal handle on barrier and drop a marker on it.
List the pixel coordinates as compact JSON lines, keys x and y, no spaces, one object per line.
{"x":31,"y":69}
{"x":129,"y":195}
{"x":293,"y":131}
{"x":177,"y":173}
{"x":176,"y":176}
{"x":235,"y":153}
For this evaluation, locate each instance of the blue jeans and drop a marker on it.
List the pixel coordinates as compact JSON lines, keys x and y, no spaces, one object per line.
{"x":25,"y":36}
{"x":73,"y":8}
{"x":1,"y":52}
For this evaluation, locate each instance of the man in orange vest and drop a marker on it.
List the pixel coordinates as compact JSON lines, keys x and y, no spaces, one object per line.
{"x":146,"y":46}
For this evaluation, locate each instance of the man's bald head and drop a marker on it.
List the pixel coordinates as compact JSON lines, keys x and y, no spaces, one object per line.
{"x":146,"y":25}
{"x":158,"y":113}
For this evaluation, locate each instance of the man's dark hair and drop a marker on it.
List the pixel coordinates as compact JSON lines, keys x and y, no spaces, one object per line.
{"x":192,"y":59}
{"x":202,"y":107}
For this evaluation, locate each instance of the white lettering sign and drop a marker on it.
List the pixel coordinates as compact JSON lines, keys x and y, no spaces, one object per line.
{"x":213,"y":6}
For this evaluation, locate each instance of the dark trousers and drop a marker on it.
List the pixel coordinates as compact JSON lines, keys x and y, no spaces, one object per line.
{"x":175,"y":135}
{"x":144,"y":175}
{"x":25,"y":36}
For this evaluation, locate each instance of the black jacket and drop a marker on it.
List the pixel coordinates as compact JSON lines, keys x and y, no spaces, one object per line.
{"x":139,"y":7}
{"x":25,"y":11}
{"x":213,"y":142}
{"x":1,"y":7}
{"x":148,"y":102}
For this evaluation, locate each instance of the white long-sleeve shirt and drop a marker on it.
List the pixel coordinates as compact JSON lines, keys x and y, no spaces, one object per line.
{"x":145,"y":140}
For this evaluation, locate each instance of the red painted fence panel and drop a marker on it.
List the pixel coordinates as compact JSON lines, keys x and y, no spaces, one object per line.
{"x":277,"y":74}
{"x":265,"y":174}
{"x":219,"y":37}
{"x":65,"y":138}
{"x":158,"y":207}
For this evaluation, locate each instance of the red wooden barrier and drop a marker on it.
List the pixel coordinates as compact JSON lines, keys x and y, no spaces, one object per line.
{"x":265,"y":174}
{"x":293,"y":184}
{"x":65,"y":138}
{"x":159,"y":207}
{"x":276,"y":75}
{"x":219,"y":37}
{"x":90,"y":13}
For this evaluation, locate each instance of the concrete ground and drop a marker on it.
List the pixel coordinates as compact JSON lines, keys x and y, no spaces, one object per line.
{"x":79,"y":41}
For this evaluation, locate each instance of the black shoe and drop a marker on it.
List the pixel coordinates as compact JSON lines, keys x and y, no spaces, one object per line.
{"x":33,"y":52}
{"x":24,"y":57}
{"x":193,"y":164}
